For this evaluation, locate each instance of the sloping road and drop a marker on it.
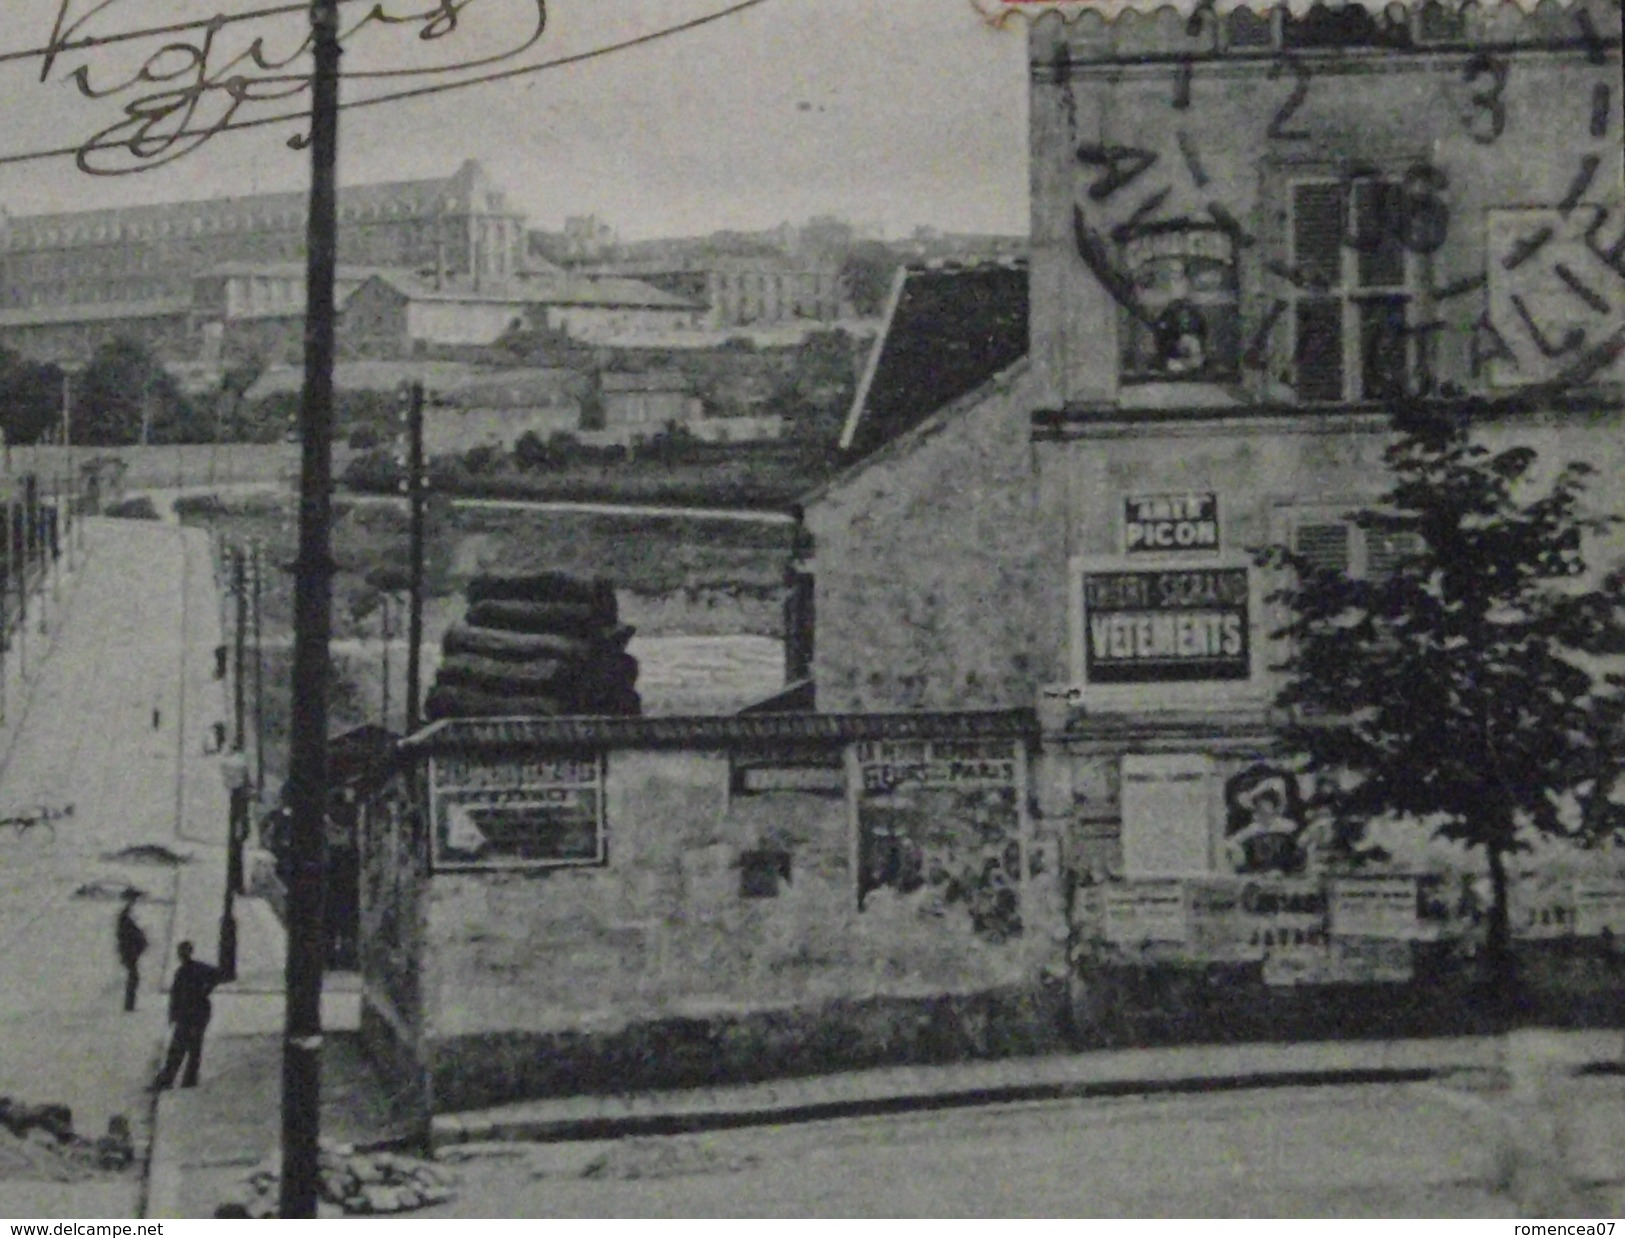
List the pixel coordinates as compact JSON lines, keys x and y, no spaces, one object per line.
{"x":137,"y":622}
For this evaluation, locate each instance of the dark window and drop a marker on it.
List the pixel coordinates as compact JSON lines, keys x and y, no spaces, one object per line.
{"x":1318,"y":355}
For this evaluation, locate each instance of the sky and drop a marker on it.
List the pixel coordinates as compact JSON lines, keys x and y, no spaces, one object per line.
{"x":884,"y":112}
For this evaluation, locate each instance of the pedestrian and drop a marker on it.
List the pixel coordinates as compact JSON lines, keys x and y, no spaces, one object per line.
{"x":189,"y":1012}
{"x":132,"y":944}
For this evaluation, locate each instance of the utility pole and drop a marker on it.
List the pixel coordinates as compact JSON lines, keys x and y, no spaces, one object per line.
{"x":313,"y":626}
{"x":239,"y":590}
{"x":418,"y":495}
{"x":383,"y":707}
{"x":259,"y":679}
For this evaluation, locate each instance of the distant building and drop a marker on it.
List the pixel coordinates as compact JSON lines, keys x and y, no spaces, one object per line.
{"x":641,"y":405}
{"x":395,"y":314}
{"x":257,"y":309}
{"x":71,"y":280}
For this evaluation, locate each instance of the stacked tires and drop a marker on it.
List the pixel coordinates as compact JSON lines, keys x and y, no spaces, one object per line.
{"x":536,"y":645}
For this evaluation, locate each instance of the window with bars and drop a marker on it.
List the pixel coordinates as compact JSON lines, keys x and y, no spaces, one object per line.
{"x":1352,"y":291}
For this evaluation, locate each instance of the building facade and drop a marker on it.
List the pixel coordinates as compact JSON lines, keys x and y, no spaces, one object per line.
{"x":138,"y":262}
{"x":1251,"y":236}
{"x":1041,"y":652}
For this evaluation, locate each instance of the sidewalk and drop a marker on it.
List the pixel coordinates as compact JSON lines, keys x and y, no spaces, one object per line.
{"x":1101,"y":1073}
{"x":204,"y":1136}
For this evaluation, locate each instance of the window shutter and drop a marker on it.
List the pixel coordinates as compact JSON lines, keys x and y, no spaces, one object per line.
{"x":1383,"y":551}
{"x":1377,"y":217}
{"x":1327,"y":546}
{"x":1317,"y":232}
{"x":1318,"y":351}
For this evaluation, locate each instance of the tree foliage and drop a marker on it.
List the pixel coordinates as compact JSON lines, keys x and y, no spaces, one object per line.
{"x":124,"y":393}
{"x":1461,"y":688}
{"x":866,"y":277}
{"x":30,"y":398}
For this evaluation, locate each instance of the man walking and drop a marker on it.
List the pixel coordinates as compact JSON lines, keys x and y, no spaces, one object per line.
{"x":189,"y":1013}
{"x":132,"y":944}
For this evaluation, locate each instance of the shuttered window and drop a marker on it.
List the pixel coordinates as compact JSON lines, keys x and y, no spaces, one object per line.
{"x":1337,"y":546}
{"x":1324,"y":545}
{"x":1350,"y":279}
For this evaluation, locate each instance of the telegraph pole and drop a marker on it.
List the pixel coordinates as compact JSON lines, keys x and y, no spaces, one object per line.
{"x":414,"y":615}
{"x":239,"y":590}
{"x":259,"y":678}
{"x":313,"y":625}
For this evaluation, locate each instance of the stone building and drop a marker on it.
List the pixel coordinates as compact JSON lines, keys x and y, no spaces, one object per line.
{"x":65,"y":276}
{"x":1041,"y":655}
{"x":1250,"y":234}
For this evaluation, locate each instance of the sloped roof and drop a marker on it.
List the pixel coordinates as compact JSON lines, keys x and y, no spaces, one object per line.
{"x":545,"y":288}
{"x":948,"y":329}
{"x":96,"y":311}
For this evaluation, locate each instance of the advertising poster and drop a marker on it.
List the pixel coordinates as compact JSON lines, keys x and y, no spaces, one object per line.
{"x":1370,"y":960}
{"x":1218,"y":932}
{"x":1154,"y":523}
{"x":1287,"y":921}
{"x":1168,"y":626}
{"x":1599,"y":904}
{"x":523,"y":813}
{"x":943,"y":816}
{"x":1382,"y":907}
{"x":1541,"y":905}
{"x":1136,"y":912}
{"x":1166,"y":805}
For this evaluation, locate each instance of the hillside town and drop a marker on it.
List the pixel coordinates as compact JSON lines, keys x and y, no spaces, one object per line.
{"x":1121,"y":720}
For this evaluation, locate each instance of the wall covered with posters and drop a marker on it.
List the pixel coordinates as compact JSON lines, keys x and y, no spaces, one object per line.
{"x":1229,"y":915}
{"x":717,"y":912}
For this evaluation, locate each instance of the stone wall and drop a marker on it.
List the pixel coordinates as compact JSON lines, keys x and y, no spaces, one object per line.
{"x":924,"y":565}
{"x":722,"y":938}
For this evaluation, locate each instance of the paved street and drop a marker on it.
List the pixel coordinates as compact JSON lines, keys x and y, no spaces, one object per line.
{"x":1365,"y":1151}
{"x":115,"y":656}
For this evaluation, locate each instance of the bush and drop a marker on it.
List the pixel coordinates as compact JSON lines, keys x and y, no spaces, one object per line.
{"x":364,"y":438}
{"x":374,"y":470}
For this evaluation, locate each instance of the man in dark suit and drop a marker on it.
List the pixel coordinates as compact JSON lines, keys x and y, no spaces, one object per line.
{"x":132,"y":944}
{"x":189,"y":1012}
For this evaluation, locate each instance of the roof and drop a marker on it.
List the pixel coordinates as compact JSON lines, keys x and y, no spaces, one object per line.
{"x":286,"y":270}
{"x":413,"y":195}
{"x":717,"y":730}
{"x":360,"y":753}
{"x":947,"y":330}
{"x":94,"y":311}
{"x":613,"y":290}
{"x":651,"y":380}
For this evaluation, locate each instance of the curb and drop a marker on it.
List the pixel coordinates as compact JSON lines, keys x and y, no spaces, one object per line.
{"x":449,"y":1130}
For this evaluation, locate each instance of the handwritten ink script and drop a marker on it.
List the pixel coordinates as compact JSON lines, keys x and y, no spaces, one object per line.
{"x":179,"y":85}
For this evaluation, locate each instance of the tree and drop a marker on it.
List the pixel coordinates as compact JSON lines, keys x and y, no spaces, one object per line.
{"x":816,"y":395}
{"x":125,"y":394}
{"x":866,"y":277}
{"x":1454,"y":690}
{"x":30,"y":398}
